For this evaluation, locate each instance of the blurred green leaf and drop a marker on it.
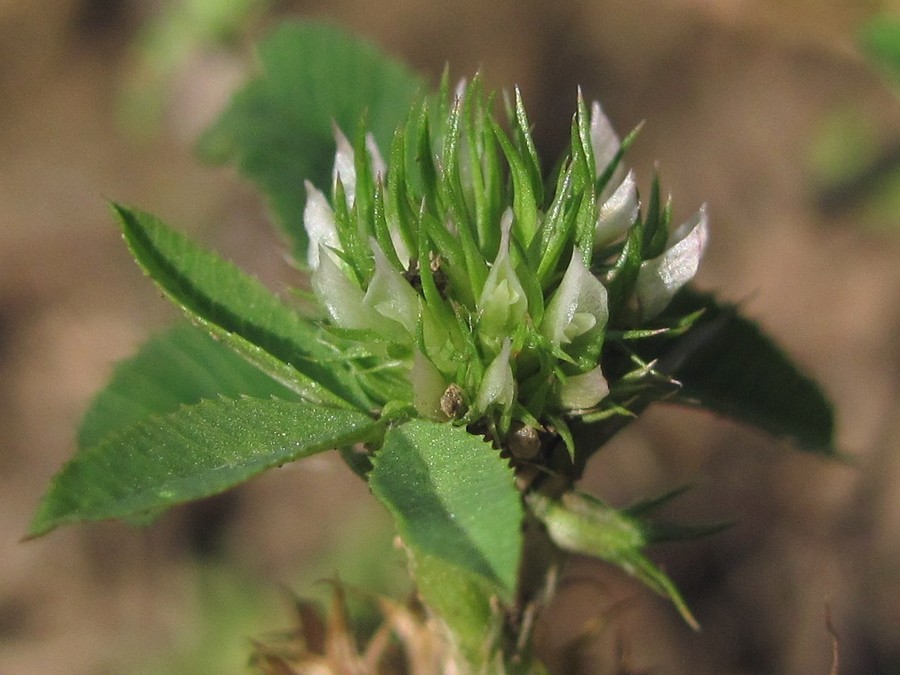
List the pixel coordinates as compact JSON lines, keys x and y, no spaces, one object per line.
{"x":880,"y":40}
{"x":726,"y":364}
{"x":194,"y":452}
{"x":844,"y":147}
{"x":278,"y":128}
{"x":171,"y":41}
{"x":239,"y":310}
{"x":182,"y":366}
{"x":456,"y":507}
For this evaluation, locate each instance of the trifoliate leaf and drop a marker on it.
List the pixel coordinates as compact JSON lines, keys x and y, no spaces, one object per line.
{"x":179,"y":367}
{"x":194,"y":452}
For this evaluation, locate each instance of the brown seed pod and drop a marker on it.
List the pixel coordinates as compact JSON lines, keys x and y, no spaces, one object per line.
{"x":453,"y":404}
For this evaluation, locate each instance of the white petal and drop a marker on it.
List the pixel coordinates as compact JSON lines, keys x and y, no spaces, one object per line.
{"x":660,"y":278}
{"x":390,"y":294}
{"x":428,"y":386}
{"x":502,"y":304}
{"x":318,"y":220}
{"x":583,"y":391}
{"x":498,"y":385}
{"x":578,"y":306}
{"x":459,"y":93}
{"x":403,"y":251}
{"x":604,"y":140}
{"x":617,"y":213}
{"x":341,"y":297}
{"x":344,"y":168}
{"x":379,"y":167}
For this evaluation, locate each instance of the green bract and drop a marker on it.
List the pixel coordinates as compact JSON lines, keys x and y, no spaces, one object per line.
{"x":485,"y":290}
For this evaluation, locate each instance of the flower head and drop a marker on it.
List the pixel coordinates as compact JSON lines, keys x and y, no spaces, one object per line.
{"x":457,"y":266}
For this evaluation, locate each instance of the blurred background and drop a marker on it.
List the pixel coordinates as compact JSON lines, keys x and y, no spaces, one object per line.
{"x":767,"y":110}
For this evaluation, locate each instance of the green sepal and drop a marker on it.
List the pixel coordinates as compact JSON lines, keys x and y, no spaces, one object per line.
{"x":397,"y":202}
{"x":584,"y":177}
{"x":623,"y":276}
{"x":525,"y":145}
{"x":424,"y":160}
{"x":484,"y":169}
{"x":451,"y":192}
{"x":555,"y":231}
{"x":363,"y":203}
{"x":655,"y":227}
{"x":581,"y":139}
{"x":524,"y":206}
{"x":657,"y":531}
{"x":354,"y":251}
{"x":453,"y":257}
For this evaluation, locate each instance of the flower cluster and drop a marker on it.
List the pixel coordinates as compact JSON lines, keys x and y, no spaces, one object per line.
{"x":475,"y":286}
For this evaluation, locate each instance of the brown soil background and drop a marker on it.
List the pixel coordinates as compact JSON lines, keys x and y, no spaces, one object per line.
{"x":732,"y":92}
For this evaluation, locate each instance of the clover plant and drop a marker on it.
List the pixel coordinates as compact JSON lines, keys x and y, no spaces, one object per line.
{"x":481,"y":321}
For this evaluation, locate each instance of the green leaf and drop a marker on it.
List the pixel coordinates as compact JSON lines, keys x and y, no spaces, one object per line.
{"x":278,"y":128}
{"x":880,"y":40}
{"x":194,"y":452}
{"x":726,"y":364}
{"x":455,"y":505}
{"x":241,"y":311}
{"x":179,"y":367}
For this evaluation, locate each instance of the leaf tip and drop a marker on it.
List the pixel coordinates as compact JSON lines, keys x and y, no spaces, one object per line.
{"x":41,"y":524}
